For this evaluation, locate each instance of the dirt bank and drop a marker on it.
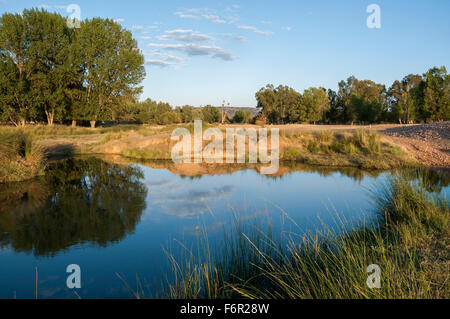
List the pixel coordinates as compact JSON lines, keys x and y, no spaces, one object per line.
{"x":429,"y":143}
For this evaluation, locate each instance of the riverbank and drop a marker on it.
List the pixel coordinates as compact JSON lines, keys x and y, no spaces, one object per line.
{"x":365,"y":147}
{"x":409,"y":246}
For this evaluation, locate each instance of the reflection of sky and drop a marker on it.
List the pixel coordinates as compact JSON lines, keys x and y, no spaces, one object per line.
{"x":176,"y":209}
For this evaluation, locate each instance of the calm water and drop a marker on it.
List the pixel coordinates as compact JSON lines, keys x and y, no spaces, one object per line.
{"x":117,"y":219}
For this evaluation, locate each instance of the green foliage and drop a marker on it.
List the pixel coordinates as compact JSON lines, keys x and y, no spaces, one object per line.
{"x":48,"y":70}
{"x":242,"y":116}
{"x":20,"y":157}
{"x":437,"y":94}
{"x":211,"y":114}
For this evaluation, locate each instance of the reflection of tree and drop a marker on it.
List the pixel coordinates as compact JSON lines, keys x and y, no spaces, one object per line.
{"x":431,"y":180}
{"x":84,"y":201}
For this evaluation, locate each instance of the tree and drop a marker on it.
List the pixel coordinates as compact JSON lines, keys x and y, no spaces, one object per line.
{"x":187,"y":114}
{"x":51,"y":47}
{"x":335,"y":113}
{"x":17,"y":64}
{"x":113,"y":66}
{"x":211,"y":114}
{"x":437,"y":94}
{"x":399,"y":94}
{"x":277,"y":104}
{"x":316,"y":103}
{"x":362,"y":100}
{"x":242,"y":116}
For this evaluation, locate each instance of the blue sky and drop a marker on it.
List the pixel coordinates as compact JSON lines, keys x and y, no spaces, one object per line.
{"x":203,"y":52}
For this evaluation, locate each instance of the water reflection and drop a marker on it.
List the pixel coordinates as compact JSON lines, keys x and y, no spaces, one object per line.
{"x":101,"y":201}
{"x":77,"y":201}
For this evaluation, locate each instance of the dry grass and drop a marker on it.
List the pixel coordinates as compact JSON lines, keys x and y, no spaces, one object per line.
{"x":20,"y":157}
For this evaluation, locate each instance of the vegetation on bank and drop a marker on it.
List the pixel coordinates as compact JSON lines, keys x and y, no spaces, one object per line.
{"x":20,"y":157}
{"x":409,"y":242}
{"x":360,"y":148}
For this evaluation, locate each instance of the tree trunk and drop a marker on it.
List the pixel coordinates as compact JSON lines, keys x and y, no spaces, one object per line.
{"x":49,"y":118}
{"x":92,"y":124}
{"x":74,"y":123}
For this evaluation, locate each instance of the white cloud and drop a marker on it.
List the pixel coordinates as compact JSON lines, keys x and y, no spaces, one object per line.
{"x":214,"y":18}
{"x":159,"y":63}
{"x":185,"y":36}
{"x":119,"y":20}
{"x":255,"y":30}
{"x":186,"y":16}
{"x":236,"y":37}
{"x":137,"y":28}
{"x":205,"y":13}
{"x":197,"y":50}
{"x":287,"y":28}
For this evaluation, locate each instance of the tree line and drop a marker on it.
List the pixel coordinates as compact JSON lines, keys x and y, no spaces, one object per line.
{"x":51,"y":71}
{"x":54,"y":73}
{"x":415,"y":98}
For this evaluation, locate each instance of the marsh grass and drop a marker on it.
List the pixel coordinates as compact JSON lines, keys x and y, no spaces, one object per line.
{"x":409,"y":241}
{"x":358,"y":148}
{"x":20,"y":157}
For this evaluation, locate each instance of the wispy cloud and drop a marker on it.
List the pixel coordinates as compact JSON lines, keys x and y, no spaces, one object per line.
{"x":119,"y":20}
{"x":186,"y":16}
{"x":236,"y":37}
{"x":214,"y":18}
{"x":197,"y":50}
{"x":185,"y":36}
{"x":255,"y":30}
{"x":206,"y":13}
{"x":159,"y":63}
{"x":137,"y":28}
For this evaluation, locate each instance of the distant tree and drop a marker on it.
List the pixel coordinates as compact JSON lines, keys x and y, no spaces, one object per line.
{"x":365,"y":100}
{"x":278,"y":104}
{"x":317,"y":102}
{"x":242,"y":116}
{"x":437,"y":94}
{"x":335,"y":113}
{"x":187,"y":114}
{"x":399,"y":94}
{"x":211,"y":114}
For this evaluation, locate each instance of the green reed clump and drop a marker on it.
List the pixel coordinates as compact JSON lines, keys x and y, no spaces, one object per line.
{"x":409,"y":242}
{"x":20,"y":157}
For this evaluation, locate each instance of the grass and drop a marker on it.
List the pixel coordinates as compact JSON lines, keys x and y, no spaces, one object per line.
{"x":409,"y":242}
{"x":339,"y":148}
{"x":359,"y":148}
{"x":20,"y":157}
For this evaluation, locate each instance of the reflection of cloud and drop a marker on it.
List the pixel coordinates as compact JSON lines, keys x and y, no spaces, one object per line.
{"x":186,"y":209}
{"x":162,"y":182}
{"x":191,"y":202}
{"x":196,"y":195}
